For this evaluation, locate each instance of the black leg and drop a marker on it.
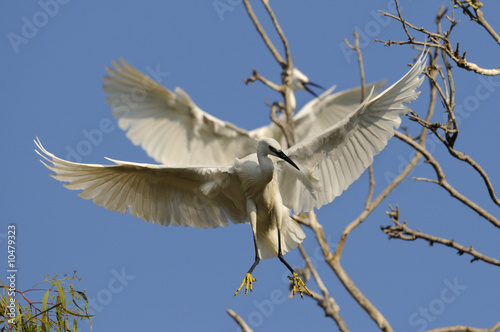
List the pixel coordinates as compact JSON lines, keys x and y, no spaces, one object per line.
{"x":297,"y":282}
{"x":257,"y":258}
{"x":248,"y":280}
{"x":280,"y":253}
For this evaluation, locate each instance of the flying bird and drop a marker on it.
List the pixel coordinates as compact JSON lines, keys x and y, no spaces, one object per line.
{"x":171,"y":128}
{"x":260,"y":188}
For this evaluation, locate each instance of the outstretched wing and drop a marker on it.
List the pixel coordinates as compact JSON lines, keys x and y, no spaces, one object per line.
{"x":328,"y":109}
{"x":192,"y":196}
{"x":319,"y":114}
{"x":336,"y":157}
{"x":168,"y":125}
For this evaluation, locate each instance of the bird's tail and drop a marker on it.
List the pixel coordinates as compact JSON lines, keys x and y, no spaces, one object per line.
{"x":291,"y":236}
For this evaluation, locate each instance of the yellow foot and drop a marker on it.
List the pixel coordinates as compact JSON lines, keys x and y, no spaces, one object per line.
{"x":298,"y":284}
{"x":248,"y":280}
{"x":475,"y":5}
{"x":471,"y":3}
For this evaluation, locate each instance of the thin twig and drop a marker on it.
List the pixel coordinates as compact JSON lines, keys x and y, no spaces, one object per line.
{"x":410,"y":38}
{"x":478,"y":18}
{"x":458,"y":154}
{"x":403,"y":232}
{"x":258,"y":77}
{"x":263,"y":34}
{"x":452,"y":126}
{"x":446,"y":47}
{"x":356,"y":48}
{"x":279,"y":31}
{"x":441,"y":180}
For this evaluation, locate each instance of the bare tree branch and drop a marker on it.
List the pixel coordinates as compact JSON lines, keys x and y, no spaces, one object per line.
{"x":442,"y":49}
{"x":239,"y":321}
{"x":403,"y":232}
{"x":286,"y":87}
{"x":326,"y":302}
{"x":459,"y":155}
{"x":356,"y":48}
{"x":479,"y":17}
{"x":263,"y":34}
{"x":446,"y":47}
{"x":257,"y":77}
{"x":403,"y":22}
{"x":276,"y":108}
{"x":334,"y":262}
{"x":449,"y":100}
{"x":280,"y":32}
{"x":463,"y":328}
{"x":441,"y":180}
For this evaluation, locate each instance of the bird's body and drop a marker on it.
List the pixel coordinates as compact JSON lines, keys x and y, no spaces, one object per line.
{"x":260,"y":185}
{"x":195,"y":196}
{"x":264,"y":205}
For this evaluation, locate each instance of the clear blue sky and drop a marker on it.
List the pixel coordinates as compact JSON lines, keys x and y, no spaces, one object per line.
{"x":174,"y":279}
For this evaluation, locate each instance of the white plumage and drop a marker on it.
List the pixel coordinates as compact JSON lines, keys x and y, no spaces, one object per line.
{"x":171,"y":128}
{"x":257,"y":188}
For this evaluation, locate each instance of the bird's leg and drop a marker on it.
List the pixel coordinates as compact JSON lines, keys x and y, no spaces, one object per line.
{"x":249,"y":279}
{"x":298,"y":284}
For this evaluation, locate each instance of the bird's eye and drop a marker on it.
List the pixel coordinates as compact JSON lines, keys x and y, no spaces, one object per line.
{"x":272,"y":149}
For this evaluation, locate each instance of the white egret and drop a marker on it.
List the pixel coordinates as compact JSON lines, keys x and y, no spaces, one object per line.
{"x":300,"y":82}
{"x":256,"y":188}
{"x":172,"y":129}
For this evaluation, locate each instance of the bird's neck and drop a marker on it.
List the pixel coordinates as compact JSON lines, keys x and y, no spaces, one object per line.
{"x":266,"y":168}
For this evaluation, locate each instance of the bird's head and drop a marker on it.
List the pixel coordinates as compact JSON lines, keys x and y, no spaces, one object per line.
{"x":301,"y":82}
{"x":269,"y":146}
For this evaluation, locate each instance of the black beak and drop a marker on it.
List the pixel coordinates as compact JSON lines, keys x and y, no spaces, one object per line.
{"x":283,"y":156}
{"x":314,"y":85}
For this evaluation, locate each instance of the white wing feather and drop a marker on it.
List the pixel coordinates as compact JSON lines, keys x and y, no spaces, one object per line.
{"x":336,"y":157}
{"x":328,"y":109}
{"x":169,"y":126}
{"x":191,"y":196}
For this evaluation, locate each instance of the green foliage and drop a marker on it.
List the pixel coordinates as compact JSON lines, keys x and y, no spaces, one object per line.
{"x":50,"y":305}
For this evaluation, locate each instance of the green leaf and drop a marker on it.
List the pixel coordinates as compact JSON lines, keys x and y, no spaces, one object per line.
{"x":75,"y":324}
{"x":61,"y":292}
{"x":45,"y":299}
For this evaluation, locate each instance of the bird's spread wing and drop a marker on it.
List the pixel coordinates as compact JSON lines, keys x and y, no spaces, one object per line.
{"x":168,"y":125}
{"x":193,"y":196}
{"x":318,"y":114}
{"x":328,"y":109}
{"x":331,"y":160}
